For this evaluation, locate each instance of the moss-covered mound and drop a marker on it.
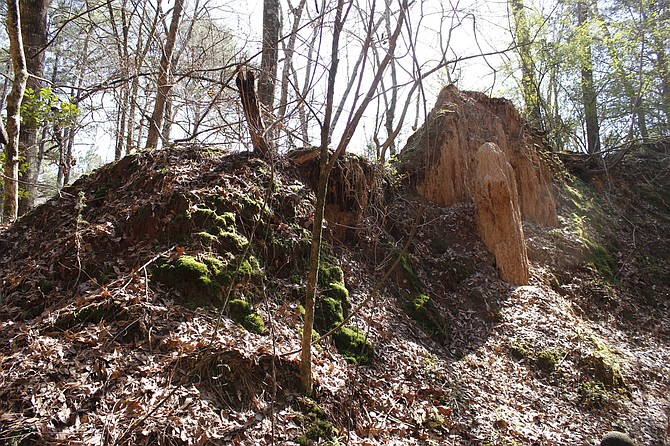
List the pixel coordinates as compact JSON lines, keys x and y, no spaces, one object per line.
{"x":243,"y":313}
{"x":317,"y":428}
{"x":331,"y":309}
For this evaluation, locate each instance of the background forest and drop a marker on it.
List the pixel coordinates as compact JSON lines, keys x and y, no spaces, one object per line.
{"x":106,"y":78}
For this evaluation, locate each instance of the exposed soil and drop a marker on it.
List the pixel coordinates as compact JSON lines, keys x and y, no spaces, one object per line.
{"x":96,"y":350}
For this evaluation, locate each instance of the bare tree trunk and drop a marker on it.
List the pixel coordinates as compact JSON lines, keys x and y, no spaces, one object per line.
{"x":270,"y":53}
{"x":317,"y":228}
{"x":354,"y":74}
{"x":589,"y":95}
{"x":326,"y":164}
{"x":245,"y":85}
{"x":11,"y":199}
{"x":140,"y":56}
{"x":528,"y":81}
{"x":122,"y":121}
{"x":390,"y":110}
{"x":288,"y":58}
{"x":121,"y":41}
{"x":624,"y":77}
{"x":302,"y":113}
{"x":34,"y":34}
{"x":167,"y":121}
{"x":164,"y":78}
{"x":663,"y":71}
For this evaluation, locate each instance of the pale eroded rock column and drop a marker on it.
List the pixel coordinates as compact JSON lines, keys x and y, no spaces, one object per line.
{"x":498,"y":215}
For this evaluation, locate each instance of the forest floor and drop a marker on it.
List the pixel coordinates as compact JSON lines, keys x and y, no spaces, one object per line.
{"x":112,"y":334}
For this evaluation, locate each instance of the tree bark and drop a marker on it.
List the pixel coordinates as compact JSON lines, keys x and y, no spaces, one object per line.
{"x":245,"y":85}
{"x":34,"y":35}
{"x":11,"y":180}
{"x":528,"y":81}
{"x":164,"y":78}
{"x":663,"y":71}
{"x":589,"y":95}
{"x":288,"y":58}
{"x":270,"y":53}
{"x":326,"y":164}
{"x":317,"y":228}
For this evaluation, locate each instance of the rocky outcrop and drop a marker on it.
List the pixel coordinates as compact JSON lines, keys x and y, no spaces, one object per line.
{"x":476,"y":149}
{"x":439,"y":158}
{"x":498,"y":215}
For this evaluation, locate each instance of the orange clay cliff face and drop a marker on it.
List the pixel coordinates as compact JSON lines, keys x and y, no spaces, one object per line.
{"x":476,"y":149}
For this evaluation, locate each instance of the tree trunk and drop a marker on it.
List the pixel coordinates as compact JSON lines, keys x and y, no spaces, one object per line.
{"x":663,"y":71}
{"x":252,"y":113}
{"x":34,"y":34}
{"x":288,"y":58}
{"x":528,"y":81}
{"x":589,"y":95}
{"x":270,"y":52}
{"x":11,"y":180}
{"x":624,"y":77}
{"x":326,"y":164}
{"x":164,"y":78}
{"x":317,"y":228}
{"x":140,"y":56}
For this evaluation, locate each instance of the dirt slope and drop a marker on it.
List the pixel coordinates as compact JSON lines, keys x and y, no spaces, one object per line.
{"x":112,"y":334}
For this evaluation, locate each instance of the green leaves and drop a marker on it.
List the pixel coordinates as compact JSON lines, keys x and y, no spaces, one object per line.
{"x":45,"y":107}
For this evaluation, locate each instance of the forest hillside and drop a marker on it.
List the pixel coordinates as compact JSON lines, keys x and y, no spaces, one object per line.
{"x":158,"y":301}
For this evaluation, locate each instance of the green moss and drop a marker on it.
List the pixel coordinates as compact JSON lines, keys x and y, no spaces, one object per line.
{"x":412,"y":277}
{"x":419,"y":303}
{"x":206,"y":238}
{"x":604,"y":366}
{"x":192,"y":279}
{"x":95,"y":313}
{"x":226,"y":272}
{"x":548,"y":359}
{"x":330,"y":274}
{"x":45,"y":285}
{"x":591,"y":222}
{"x":244,"y":314}
{"x":421,"y":308}
{"x":353,"y":345}
{"x":521,"y":350}
{"x":321,"y":429}
{"x":249,"y":268}
{"x":593,"y":395}
{"x":340,"y":293}
{"x":215,"y":266}
{"x":203,"y":218}
{"x":316,"y":425}
{"x":328,"y":313}
{"x":250,"y":209}
{"x":229,"y":240}
{"x":601,"y":260}
{"x":334,"y":306}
